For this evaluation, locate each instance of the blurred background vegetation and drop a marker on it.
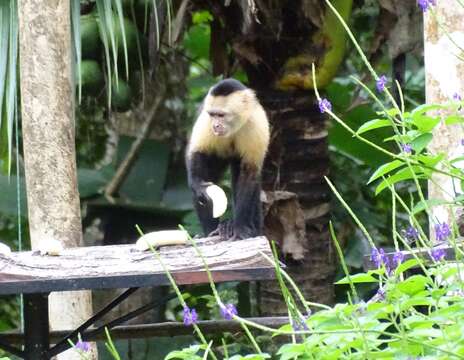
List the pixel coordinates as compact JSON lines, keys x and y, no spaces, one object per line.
{"x":119,"y":89}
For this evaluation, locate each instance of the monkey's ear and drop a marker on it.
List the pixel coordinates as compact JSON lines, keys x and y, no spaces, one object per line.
{"x":250,"y":94}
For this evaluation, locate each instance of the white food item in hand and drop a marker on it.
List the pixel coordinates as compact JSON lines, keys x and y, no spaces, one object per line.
{"x":219,"y":199}
{"x":162,"y":238}
{"x":50,"y":247}
{"x":5,"y":249}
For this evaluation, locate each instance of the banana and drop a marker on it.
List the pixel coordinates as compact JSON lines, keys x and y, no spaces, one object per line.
{"x":219,"y":198}
{"x":4,"y":249}
{"x":162,"y":238}
{"x":50,"y":247}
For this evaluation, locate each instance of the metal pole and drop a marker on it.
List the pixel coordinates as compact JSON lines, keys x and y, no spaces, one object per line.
{"x":36,"y":330}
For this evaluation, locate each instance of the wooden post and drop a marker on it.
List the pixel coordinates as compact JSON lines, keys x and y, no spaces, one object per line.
{"x":444,"y":78}
{"x":47,"y":100}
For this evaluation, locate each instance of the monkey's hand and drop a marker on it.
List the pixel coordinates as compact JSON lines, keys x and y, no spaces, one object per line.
{"x":243,"y":233}
{"x":225,"y":230}
{"x":212,"y":197}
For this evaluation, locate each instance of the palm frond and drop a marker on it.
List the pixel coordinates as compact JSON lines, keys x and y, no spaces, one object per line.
{"x":4,"y":34}
{"x":76,"y":35}
{"x":123,"y":34}
{"x":8,"y":77}
{"x":11,"y":83}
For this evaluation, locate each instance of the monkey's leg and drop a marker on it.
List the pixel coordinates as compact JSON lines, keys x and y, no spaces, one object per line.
{"x":247,"y":206}
{"x":203,"y":170}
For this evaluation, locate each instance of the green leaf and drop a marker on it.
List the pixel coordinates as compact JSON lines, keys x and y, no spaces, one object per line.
{"x":426,"y":123}
{"x":416,"y":301}
{"x":11,"y":104}
{"x":426,"y":333}
{"x":344,"y":142}
{"x":421,"y":205}
{"x":200,"y":17}
{"x":384,"y":169}
{"x":4,"y":32}
{"x":408,"y":264}
{"x":291,"y":351}
{"x":189,"y":353}
{"x":401,"y":175}
{"x":421,"y":109}
{"x":430,"y":161}
{"x":120,"y":17}
{"x":76,"y":37}
{"x":421,"y":142}
{"x":251,"y":357}
{"x":373,"y":124}
{"x":197,"y":41}
{"x":454,"y":119}
{"x":357,"y":278}
{"x":9,"y":197}
{"x":413,"y":284}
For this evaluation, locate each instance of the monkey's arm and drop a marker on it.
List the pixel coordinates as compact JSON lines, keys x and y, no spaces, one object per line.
{"x":203,"y":170}
{"x":247,"y":206}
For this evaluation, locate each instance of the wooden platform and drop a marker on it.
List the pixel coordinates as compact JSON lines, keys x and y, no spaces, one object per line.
{"x":122,"y":266}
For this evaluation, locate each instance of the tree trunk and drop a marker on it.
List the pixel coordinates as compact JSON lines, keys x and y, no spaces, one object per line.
{"x":48,"y":135}
{"x":444,"y":78}
{"x":297,"y":163}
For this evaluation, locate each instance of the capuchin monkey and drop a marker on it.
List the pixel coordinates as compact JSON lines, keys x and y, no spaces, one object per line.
{"x":231,"y":130}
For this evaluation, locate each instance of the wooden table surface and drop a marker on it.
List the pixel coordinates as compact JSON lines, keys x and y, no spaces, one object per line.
{"x":122,"y":266}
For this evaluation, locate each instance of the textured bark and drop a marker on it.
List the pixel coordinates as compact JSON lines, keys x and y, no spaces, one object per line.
{"x":444,"y":78}
{"x":297,"y":162}
{"x":48,"y":135}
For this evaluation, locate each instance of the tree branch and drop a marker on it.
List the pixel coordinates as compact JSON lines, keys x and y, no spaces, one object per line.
{"x":126,"y":165}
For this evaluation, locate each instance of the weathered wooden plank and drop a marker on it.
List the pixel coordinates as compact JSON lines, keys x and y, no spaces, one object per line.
{"x":142,"y":331}
{"x":122,"y":266}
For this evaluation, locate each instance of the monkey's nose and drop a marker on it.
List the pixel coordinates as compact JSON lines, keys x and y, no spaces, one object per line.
{"x":219,"y":129}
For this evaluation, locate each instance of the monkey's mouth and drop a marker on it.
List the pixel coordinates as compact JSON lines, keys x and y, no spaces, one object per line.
{"x":219,"y":129}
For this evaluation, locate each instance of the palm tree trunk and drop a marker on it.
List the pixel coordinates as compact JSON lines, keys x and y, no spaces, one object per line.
{"x":49,"y":151}
{"x":297,"y":163}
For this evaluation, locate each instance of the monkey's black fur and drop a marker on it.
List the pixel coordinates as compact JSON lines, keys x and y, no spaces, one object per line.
{"x":227,"y":87}
{"x":246,"y":188}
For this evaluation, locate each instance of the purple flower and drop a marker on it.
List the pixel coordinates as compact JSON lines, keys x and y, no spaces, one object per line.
{"x":438,"y":253}
{"x":190,"y":316}
{"x":228,"y":311}
{"x":82,"y":346}
{"x":407,"y":148}
{"x":398,"y":258}
{"x":324,"y":105}
{"x":457,"y":97}
{"x":442,"y":231}
{"x":411,"y":233}
{"x":380,"y":83}
{"x":462,"y":142}
{"x":300,"y":322}
{"x":426,"y":4}
{"x":380,"y":295}
{"x":378,"y":257}
{"x":423,"y":4}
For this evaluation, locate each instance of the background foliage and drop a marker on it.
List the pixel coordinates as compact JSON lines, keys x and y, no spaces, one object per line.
{"x":115,"y":82}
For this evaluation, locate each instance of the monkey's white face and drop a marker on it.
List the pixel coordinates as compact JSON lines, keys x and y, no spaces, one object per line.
{"x":227,"y":114}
